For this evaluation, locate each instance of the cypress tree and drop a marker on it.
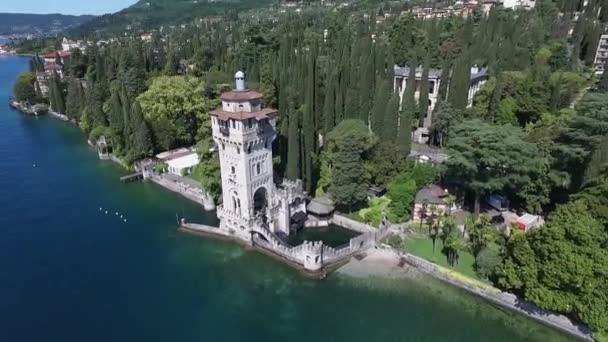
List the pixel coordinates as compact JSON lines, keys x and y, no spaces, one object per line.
{"x":141,"y":139}
{"x":52,"y":93}
{"x":74,"y":100}
{"x":390,"y":129}
{"x":116,"y":119}
{"x":378,"y":112}
{"x":126,"y":116}
{"x":459,"y":84}
{"x":423,"y":100}
{"x":293,"y":149}
{"x":329,"y":106}
{"x":339,"y":106}
{"x":405,"y":127}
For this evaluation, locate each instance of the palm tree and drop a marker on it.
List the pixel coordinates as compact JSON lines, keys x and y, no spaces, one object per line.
{"x":449,"y":201}
{"x":481,"y":233}
{"x":453,"y":242}
{"x":423,"y":211}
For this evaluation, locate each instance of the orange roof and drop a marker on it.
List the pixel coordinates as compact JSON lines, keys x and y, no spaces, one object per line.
{"x":258,"y":115}
{"x":54,"y":54}
{"x":246,"y":95}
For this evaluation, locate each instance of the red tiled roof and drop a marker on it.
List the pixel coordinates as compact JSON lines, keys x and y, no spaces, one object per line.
{"x":62,"y":54}
{"x":259,"y":115}
{"x":246,"y":95}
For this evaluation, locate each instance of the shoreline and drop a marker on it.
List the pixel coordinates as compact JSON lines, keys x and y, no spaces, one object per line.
{"x":389,"y":264}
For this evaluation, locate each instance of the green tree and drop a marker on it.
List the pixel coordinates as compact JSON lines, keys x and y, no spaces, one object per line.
{"x":74,"y":99}
{"x":24,"y":87}
{"x":177,"y":111}
{"x":348,"y":143}
{"x":402,"y":191}
{"x":489,"y":158}
{"x":385,"y":160}
{"x":141,"y":140}
{"x":293,"y":149}
{"x":563,"y":266}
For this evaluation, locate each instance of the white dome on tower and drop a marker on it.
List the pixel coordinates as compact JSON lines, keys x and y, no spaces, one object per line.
{"x":239,"y":78}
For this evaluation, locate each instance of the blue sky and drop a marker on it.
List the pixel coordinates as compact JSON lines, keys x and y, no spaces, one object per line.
{"x":64,"y":6}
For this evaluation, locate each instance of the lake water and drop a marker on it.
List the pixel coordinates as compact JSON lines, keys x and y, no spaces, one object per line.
{"x":70,"y":272}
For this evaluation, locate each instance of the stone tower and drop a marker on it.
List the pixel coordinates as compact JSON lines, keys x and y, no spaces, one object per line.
{"x":243,"y":131}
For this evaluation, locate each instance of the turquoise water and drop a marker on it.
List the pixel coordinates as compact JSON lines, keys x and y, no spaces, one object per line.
{"x":333,"y":235}
{"x":69,"y":272}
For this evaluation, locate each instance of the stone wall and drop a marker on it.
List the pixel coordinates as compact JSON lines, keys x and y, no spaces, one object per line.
{"x":191,"y":193}
{"x":343,"y":221}
{"x":505,"y":299}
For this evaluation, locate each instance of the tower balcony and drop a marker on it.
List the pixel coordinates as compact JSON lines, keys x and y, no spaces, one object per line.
{"x":225,"y":131}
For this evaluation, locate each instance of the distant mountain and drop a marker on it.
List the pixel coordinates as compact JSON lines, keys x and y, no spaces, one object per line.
{"x":149,"y":14}
{"x":38,"y":24}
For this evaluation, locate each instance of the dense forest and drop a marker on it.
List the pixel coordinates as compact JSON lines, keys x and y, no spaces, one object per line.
{"x":536,"y":131}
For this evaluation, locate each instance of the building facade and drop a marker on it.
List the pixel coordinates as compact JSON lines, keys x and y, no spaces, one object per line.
{"x":479,"y":77}
{"x":243,"y":131}
{"x":524,"y":4}
{"x":601,"y":54}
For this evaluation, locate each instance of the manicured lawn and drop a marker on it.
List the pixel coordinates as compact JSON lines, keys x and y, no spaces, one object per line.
{"x":423,"y":247}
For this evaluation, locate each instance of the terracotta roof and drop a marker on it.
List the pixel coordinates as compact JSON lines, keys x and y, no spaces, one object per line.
{"x":246,"y":95}
{"x":62,"y":54}
{"x":258,"y":115}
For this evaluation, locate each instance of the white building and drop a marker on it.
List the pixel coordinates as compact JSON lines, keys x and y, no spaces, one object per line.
{"x":183,"y":165}
{"x":601,"y":54}
{"x":181,"y":161}
{"x":479,"y":77}
{"x":244,"y":131}
{"x":67,"y":45}
{"x":525,"y":4}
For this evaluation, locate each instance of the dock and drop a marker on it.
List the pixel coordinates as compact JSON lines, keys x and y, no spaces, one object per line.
{"x":132,"y":177}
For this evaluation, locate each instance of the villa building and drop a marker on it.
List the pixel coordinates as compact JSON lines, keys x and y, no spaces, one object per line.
{"x":519,"y":4}
{"x":68,"y":45}
{"x":601,"y":54}
{"x":479,"y":77}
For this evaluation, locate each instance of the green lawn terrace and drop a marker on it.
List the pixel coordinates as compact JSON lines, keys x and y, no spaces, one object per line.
{"x":423,"y":247}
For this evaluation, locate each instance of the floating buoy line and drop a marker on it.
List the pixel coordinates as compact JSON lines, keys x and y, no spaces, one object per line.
{"x":116,"y":213}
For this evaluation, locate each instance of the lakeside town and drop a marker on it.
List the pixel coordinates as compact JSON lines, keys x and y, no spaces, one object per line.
{"x":445,"y":138}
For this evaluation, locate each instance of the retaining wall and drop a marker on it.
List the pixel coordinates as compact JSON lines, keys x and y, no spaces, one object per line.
{"x":193,"y":194}
{"x":505,"y":299}
{"x":351,"y":224}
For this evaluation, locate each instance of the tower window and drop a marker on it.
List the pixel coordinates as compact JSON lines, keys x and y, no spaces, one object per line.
{"x":249,"y":148}
{"x":258,"y":168}
{"x":233,"y":123}
{"x":238,"y":150}
{"x":233,"y":170}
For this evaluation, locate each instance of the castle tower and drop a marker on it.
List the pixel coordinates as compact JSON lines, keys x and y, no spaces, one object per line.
{"x":243,"y":131}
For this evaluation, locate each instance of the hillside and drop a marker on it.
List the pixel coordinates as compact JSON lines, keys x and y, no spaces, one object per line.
{"x":38,"y":24}
{"x":145,"y":15}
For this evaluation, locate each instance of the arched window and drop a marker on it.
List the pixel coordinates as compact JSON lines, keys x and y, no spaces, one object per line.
{"x":249,"y":148}
{"x":238,"y":150}
{"x":233,"y":170}
{"x":223,"y":146}
{"x":258,"y":168}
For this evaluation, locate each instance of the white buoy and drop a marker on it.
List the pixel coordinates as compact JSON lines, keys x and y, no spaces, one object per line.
{"x":125,"y":220}
{"x":106,"y":212}
{"x":100,"y":208}
{"x":34,"y":165}
{"x":120,"y":216}
{"x":116,"y":213}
